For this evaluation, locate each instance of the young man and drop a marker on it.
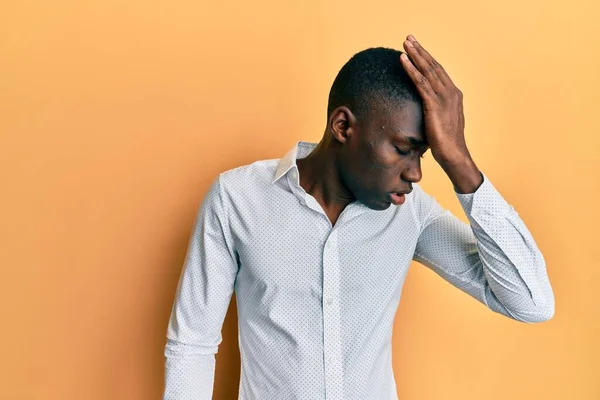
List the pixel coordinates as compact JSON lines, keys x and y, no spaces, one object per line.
{"x":317,"y":244}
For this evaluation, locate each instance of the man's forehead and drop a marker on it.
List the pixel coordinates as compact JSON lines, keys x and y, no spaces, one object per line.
{"x":404,"y":124}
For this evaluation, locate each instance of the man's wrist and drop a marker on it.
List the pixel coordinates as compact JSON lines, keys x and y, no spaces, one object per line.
{"x":464,"y":174}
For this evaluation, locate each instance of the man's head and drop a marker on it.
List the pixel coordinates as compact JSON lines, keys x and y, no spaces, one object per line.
{"x":373,"y":106}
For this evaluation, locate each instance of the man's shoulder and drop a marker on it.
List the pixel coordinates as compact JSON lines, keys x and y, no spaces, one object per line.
{"x":247,"y":179}
{"x":419,"y":201}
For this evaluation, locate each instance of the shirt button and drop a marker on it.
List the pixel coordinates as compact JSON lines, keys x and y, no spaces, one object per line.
{"x":330,"y":301}
{"x":330,"y":360}
{"x":328,"y":245}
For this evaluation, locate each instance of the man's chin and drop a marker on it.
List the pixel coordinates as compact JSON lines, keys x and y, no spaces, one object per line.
{"x":378,"y":205}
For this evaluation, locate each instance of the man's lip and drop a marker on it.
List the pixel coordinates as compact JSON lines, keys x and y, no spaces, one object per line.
{"x":403,"y":191}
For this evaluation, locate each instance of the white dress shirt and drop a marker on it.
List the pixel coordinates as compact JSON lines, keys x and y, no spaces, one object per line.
{"x":316,"y":302}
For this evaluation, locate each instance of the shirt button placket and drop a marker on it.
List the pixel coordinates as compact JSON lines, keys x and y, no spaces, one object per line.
{"x":332,"y":320}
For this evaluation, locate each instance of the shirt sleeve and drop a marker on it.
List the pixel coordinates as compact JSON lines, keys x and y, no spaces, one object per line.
{"x":494,"y":258}
{"x":202,"y":297}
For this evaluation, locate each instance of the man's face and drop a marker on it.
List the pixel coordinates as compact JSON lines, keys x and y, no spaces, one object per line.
{"x":378,"y":157}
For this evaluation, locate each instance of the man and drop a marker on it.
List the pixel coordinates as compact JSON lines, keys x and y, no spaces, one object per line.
{"x":317,"y":244}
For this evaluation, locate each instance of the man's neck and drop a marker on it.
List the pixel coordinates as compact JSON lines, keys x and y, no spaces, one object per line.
{"x":320,"y":178}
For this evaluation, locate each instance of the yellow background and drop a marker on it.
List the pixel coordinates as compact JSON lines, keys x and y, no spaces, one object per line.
{"x":116,"y":115}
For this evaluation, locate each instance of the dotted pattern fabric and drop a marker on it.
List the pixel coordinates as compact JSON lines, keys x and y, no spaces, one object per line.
{"x":316,"y":302}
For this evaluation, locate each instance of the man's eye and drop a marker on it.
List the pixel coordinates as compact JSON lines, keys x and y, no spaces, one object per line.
{"x":402,"y":152}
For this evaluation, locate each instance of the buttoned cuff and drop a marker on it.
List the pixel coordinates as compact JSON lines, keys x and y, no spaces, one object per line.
{"x":486,"y":200}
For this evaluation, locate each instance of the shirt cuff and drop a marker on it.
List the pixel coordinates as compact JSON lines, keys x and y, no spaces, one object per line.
{"x":486,"y":200}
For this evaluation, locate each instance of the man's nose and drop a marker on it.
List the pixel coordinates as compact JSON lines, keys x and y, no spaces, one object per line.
{"x":412,"y":172}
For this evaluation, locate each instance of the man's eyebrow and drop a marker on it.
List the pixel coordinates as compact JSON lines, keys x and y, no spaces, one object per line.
{"x":413,"y":141}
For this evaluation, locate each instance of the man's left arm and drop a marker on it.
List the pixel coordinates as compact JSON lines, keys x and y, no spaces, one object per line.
{"x":495,"y":258}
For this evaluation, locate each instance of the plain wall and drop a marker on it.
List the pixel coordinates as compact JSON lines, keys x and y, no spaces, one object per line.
{"x":115,"y":116}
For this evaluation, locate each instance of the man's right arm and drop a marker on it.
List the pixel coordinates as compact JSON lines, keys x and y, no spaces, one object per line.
{"x":201,"y":301}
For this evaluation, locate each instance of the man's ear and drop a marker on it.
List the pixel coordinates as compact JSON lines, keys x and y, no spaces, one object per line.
{"x":342,"y":124}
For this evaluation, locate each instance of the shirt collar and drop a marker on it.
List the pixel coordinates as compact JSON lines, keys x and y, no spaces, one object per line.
{"x":300,"y":150}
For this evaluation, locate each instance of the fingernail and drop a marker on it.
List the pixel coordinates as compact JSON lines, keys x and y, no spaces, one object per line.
{"x":409,"y":44}
{"x":411,"y":37}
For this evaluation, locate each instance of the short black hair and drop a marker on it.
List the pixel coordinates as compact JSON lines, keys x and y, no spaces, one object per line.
{"x":372,"y":74}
